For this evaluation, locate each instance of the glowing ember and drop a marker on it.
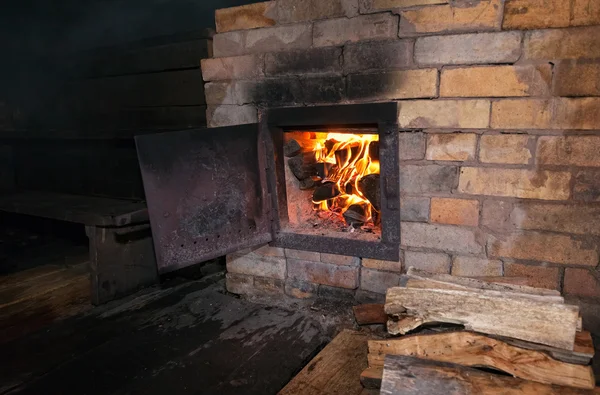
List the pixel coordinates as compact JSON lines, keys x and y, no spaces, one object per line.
{"x":349,"y":159}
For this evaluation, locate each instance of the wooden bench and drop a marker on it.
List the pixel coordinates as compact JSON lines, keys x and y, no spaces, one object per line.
{"x":121,"y":251}
{"x":78,"y":144}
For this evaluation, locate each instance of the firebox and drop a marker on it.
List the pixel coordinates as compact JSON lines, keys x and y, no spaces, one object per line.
{"x":322,"y":179}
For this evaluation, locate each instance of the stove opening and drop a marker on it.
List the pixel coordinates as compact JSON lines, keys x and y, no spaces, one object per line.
{"x":333,"y":181}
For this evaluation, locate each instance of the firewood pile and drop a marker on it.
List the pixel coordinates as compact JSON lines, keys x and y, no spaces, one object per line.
{"x":455,"y":335}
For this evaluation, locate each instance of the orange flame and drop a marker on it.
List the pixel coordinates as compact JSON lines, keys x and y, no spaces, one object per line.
{"x":350,"y":155}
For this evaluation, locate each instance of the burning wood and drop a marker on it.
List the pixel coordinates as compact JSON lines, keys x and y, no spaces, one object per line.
{"x":343,"y":169}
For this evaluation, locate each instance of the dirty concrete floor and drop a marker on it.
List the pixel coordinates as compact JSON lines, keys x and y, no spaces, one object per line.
{"x":191,"y":338}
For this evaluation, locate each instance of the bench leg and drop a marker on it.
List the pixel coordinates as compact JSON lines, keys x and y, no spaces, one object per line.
{"x":121,"y":261}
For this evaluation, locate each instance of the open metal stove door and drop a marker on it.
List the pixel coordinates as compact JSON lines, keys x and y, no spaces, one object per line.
{"x":206,"y":192}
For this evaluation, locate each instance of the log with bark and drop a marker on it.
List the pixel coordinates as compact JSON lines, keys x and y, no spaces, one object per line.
{"x":409,"y":375}
{"x":471,"y":349}
{"x":519,"y":316}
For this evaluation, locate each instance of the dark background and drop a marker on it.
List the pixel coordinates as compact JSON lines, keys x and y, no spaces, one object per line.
{"x":37,"y":36}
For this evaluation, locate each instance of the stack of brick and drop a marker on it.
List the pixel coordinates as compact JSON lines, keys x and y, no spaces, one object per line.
{"x":499,"y":111}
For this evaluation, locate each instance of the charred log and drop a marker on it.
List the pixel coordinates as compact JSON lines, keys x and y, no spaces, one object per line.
{"x":303,"y":165}
{"x":296,"y":146}
{"x":348,"y":153}
{"x":369,"y":186}
{"x":374,"y":151}
{"x":309,"y":183}
{"x":356,"y":215}
{"x":323,"y":169}
{"x":325,"y":192}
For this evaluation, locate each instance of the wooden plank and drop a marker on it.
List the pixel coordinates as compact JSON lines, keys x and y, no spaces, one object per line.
{"x":490,"y":312}
{"x":86,"y":210}
{"x":454,"y":282}
{"x":471,"y":349}
{"x":35,"y":308}
{"x":371,"y":377}
{"x":414,"y":376}
{"x":582,"y":354}
{"x":366,"y":314}
{"x":335,"y":370}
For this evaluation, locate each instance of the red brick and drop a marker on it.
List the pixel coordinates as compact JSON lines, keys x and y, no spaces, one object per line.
{"x":505,"y":148}
{"x":233,"y":68}
{"x":411,"y":145}
{"x":441,"y":237}
{"x":417,"y":114}
{"x":455,"y":211}
{"x":378,"y":264}
{"x":268,"y":286}
{"x":340,"y":259}
{"x":475,"y":16}
{"x":427,"y":179}
{"x":248,"y":16}
{"x":543,"y":247}
{"x":521,"y":183}
{"x":323,"y":273}
{"x":476,"y":267}
{"x":581,"y":282}
{"x":239,"y":284}
{"x":541,"y":276}
{"x":479,"y":48}
{"x":570,"y":43}
{"x":577,"y":79}
{"x":293,"y":11}
{"x":256,"y":265}
{"x":536,"y":14}
{"x":378,"y":282}
{"x":365,"y":27}
{"x":304,"y":255}
{"x":569,"y":151}
{"x":451,"y":146}
{"x":428,"y":261}
{"x":300,"y":290}
{"x":496,"y":81}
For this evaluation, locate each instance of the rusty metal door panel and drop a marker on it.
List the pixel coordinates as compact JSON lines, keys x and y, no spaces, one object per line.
{"x":206,"y":193}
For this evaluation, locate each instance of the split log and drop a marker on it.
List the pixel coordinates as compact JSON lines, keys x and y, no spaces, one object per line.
{"x":414,"y":376}
{"x":409,"y":375}
{"x":471,"y":349}
{"x":323,"y":169}
{"x":369,"y":186}
{"x":303,"y":165}
{"x":367,"y":314}
{"x":582,"y":354}
{"x":371,"y":377}
{"x":326,"y":191}
{"x":446,"y":281}
{"x":297,"y":146}
{"x":356,"y":215}
{"x":347,"y":154}
{"x":497,"y":313}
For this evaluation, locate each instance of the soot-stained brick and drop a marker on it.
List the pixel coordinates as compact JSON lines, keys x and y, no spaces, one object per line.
{"x":314,"y":61}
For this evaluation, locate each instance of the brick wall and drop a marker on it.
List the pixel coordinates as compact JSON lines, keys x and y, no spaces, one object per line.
{"x":499,"y":111}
